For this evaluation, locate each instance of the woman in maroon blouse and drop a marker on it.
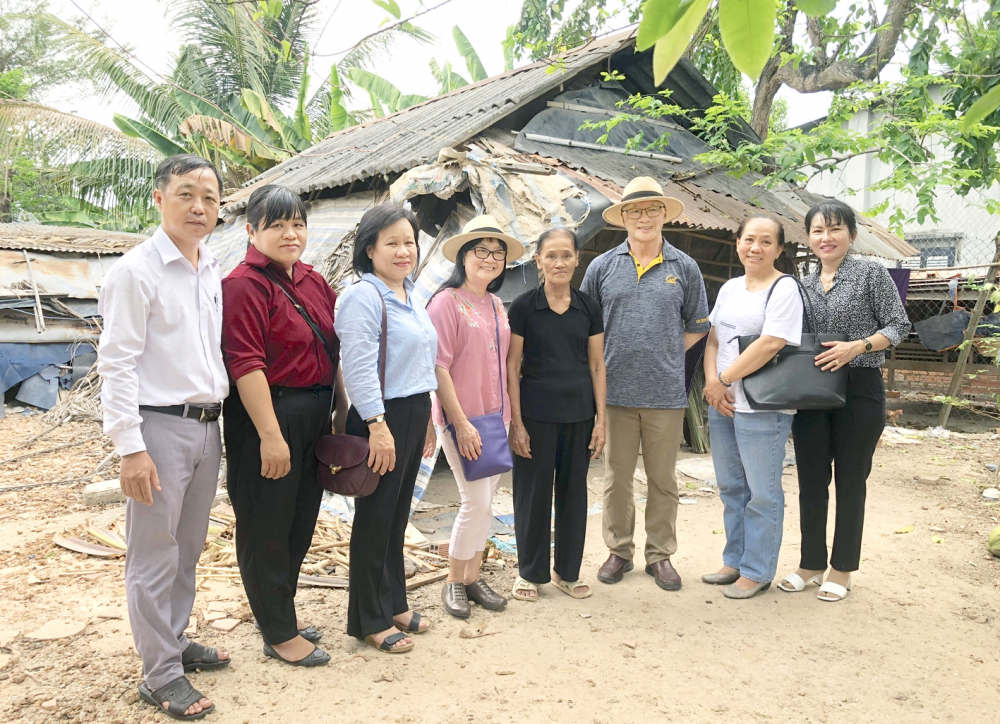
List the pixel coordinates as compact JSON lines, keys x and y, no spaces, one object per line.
{"x":284,"y":379}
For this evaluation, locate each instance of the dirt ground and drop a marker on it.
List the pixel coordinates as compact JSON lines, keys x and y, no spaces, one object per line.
{"x":916,"y":640}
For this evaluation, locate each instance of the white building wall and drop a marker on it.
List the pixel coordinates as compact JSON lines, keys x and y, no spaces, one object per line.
{"x":962,"y":221}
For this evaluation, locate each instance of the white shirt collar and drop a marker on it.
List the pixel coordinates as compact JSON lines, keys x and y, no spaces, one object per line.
{"x":169,"y":252}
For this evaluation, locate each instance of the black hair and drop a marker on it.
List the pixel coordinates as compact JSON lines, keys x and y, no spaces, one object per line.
{"x":763,"y":215}
{"x":833,"y":211}
{"x":274,"y":203}
{"x":180,"y":165}
{"x":457,"y":277}
{"x":546,"y":235}
{"x":373,"y":223}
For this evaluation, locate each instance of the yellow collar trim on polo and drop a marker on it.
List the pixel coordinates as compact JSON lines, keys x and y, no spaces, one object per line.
{"x":640,"y":269}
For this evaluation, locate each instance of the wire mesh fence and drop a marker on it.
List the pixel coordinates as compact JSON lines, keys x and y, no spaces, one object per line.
{"x":947,"y":372}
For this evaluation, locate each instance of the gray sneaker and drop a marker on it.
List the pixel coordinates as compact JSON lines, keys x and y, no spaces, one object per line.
{"x":456,"y":602}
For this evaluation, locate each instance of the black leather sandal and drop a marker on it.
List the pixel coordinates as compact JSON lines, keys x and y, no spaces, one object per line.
{"x":388,"y":643}
{"x":180,"y":694}
{"x":414,"y":625}
{"x":196,"y":656}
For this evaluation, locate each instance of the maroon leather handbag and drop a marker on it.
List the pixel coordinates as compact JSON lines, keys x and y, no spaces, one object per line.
{"x":343,"y":459}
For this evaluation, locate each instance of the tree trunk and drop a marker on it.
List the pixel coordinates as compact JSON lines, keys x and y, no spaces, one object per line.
{"x":768,"y":84}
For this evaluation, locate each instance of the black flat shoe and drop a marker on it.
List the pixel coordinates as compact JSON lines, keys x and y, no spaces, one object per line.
{"x":485,"y":596}
{"x":318,"y":657}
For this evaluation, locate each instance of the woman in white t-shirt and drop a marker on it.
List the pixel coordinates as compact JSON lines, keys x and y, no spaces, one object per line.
{"x":748,"y":446}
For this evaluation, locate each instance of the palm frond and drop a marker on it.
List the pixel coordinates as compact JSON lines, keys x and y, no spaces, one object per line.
{"x":114,"y":72}
{"x":263,"y":53}
{"x":89,"y":161}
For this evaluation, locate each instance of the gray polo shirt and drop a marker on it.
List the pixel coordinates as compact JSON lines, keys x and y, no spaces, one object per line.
{"x":645,"y":319}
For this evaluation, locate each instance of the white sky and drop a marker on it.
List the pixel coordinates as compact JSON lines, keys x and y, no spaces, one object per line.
{"x":142,"y":25}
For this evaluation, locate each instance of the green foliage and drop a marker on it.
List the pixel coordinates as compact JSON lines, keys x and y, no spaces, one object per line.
{"x":670,"y":46}
{"x":545,"y":28}
{"x":448,"y":80}
{"x":383,"y":92}
{"x":747,"y":28}
{"x":816,"y":8}
{"x":472,"y":63}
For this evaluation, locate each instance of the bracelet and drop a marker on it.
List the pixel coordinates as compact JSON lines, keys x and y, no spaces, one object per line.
{"x":723,"y":381}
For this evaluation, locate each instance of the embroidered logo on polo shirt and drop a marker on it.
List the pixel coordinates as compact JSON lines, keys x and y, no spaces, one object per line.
{"x":701,"y":321}
{"x":672,"y":279}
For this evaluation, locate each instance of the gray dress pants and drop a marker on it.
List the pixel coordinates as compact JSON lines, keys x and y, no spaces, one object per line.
{"x":166,"y":539}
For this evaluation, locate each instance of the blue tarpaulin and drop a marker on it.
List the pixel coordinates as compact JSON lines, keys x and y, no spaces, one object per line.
{"x":18,"y":362}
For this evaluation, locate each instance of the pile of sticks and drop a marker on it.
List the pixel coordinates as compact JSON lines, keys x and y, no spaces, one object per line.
{"x":327,"y":563}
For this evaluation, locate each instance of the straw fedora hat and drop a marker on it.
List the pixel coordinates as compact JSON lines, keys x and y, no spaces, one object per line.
{"x":643,"y":188}
{"x":482,"y":227}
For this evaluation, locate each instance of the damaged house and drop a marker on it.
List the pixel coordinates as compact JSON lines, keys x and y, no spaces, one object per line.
{"x":511,"y":146}
{"x":50,"y":278}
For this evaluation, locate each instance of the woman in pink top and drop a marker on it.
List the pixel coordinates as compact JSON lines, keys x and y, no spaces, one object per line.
{"x":472,"y":381}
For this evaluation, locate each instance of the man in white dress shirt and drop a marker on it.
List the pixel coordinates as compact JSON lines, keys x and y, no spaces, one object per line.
{"x":163,"y":385}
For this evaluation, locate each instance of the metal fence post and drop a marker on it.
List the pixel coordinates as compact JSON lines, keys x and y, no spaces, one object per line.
{"x":966,"y":351}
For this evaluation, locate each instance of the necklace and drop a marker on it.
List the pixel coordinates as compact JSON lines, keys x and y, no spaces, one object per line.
{"x":827,"y":281}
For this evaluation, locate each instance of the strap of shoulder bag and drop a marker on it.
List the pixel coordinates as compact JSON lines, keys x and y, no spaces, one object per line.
{"x":319,"y":334}
{"x":808,"y":315}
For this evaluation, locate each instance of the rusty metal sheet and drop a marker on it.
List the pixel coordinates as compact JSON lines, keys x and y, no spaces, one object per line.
{"x":62,"y":275}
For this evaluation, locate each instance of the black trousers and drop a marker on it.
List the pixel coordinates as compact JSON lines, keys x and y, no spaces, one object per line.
{"x":560,"y":460}
{"x":845,"y":438}
{"x":378,"y":580}
{"x":275,"y":519}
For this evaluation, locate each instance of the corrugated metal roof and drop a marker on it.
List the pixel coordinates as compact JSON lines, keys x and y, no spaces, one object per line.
{"x":416,"y":135}
{"x":38,"y":237}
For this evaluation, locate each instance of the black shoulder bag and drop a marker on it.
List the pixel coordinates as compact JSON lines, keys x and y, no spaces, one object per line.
{"x":791,"y":380}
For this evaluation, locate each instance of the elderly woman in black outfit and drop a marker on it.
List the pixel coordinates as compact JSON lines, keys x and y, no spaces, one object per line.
{"x":856,"y":298}
{"x":556,"y":380}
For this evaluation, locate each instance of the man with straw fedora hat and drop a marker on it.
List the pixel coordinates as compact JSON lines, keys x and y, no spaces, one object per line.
{"x":655,"y":309}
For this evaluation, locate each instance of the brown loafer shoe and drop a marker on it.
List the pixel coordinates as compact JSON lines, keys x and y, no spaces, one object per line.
{"x":614,"y":569}
{"x":665,"y":575}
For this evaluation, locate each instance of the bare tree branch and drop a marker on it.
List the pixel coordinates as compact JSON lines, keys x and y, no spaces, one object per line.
{"x":810,"y":78}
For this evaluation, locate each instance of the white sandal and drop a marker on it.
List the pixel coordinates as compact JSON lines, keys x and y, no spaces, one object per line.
{"x":833,"y":588}
{"x":522,"y":585}
{"x":797,"y":584}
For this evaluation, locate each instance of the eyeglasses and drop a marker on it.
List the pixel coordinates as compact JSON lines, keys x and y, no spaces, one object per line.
{"x":653,"y":212}
{"x":483,"y":253}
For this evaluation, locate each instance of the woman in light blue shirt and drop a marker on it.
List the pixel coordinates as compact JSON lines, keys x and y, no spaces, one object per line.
{"x":396,"y":421}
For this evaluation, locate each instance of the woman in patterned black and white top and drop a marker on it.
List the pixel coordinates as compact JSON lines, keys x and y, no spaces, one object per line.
{"x":856,"y":298}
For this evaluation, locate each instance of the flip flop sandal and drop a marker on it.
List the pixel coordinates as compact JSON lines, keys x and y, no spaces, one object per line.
{"x":388,"y":643}
{"x":180,"y":694}
{"x":414,"y":625}
{"x":197,"y":657}
{"x":522,"y":585}
{"x":569,"y":588}
{"x":318,"y":657}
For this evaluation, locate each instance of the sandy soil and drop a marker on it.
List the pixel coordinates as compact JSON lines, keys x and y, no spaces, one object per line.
{"x":916,"y":640}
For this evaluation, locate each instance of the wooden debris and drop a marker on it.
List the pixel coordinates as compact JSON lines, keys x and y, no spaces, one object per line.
{"x":322,"y":581}
{"x":212,"y":616}
{"x":56,"y":629}
{"x":91,"y":549}
{"x":192,"y":627}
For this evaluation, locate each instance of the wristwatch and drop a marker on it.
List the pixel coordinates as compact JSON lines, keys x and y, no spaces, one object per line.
{"x":374,"y":420}
{"x":868,"y":345}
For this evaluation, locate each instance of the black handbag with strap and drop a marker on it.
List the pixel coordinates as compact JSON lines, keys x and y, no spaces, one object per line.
{"x":343,"y":459}
{"x":791,"y":380}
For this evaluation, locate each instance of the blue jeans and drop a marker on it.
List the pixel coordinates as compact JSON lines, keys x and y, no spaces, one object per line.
{"x":748,"y":451}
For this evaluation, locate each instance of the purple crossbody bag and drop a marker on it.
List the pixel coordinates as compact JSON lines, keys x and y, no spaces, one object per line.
{"x":495,"y":457}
